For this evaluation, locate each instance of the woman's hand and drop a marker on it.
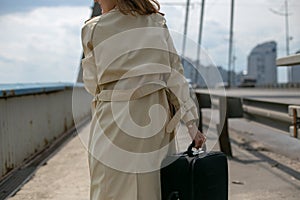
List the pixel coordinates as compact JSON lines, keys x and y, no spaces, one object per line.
{"x":196,"y":135}
{"x":200,"y":139}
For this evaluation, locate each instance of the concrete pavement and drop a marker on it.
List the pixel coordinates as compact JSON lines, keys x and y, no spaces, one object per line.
{"x":65,"y":176}
{"x":251,"y":174}
{"x":272,"y":139}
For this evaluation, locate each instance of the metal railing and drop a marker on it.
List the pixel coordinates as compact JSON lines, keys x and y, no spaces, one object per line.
{"x":282,"y":116}
{"x":32,"y":118}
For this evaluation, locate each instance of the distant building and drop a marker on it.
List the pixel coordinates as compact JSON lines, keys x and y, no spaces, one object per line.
{"x":262,"y":63}
{"x":209,"y":76}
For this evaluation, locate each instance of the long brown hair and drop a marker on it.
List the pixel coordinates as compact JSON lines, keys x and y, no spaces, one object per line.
{"x":142,"y":7}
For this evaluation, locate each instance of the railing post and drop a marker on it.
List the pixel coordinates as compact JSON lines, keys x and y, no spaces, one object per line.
{"x":295,"y":123}
{"x":294,"y":112}
{"x":222,"y":127}
{"x":224,"y":140}
{"x":203,"y":102}
{"x":200,"y":125}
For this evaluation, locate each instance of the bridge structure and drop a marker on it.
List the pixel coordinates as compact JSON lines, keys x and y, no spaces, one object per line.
{"x":258,"y":128}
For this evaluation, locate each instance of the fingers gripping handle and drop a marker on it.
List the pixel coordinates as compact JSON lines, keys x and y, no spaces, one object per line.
{"x":192,"y":153}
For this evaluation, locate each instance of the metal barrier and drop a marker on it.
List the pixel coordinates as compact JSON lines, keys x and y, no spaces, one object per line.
{"x":294,"y":112}
{"x":274,"y":114}
{"x":31,"y":119}
{"x":268,"y":113}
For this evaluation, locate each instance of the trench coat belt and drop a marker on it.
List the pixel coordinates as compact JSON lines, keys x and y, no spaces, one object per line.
{"x":130,"y":94}
{"x":146,"y":89}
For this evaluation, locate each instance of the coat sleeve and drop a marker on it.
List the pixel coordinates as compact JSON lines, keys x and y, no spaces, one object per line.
{"x":179,"y":94}
{"x":88,"y":62}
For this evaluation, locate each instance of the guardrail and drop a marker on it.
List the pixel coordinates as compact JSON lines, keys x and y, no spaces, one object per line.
{"x":277,"y":115}
{"x":268,"y":113}
{"x":32,"y":118}
{"x":294,"y":112}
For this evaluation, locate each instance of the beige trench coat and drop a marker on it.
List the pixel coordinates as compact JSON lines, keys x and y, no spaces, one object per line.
{"x":132,"y":70}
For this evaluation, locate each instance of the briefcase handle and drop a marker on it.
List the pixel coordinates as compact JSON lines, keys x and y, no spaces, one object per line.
{"x":191,"y":153}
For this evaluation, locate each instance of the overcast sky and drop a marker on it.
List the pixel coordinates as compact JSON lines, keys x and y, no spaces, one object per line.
{"x":40,"y":39}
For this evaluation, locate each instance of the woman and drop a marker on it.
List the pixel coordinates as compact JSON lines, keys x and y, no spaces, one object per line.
{"x":132,"y":70}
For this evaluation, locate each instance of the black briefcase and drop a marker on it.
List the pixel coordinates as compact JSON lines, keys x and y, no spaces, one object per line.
{"x":194,"y":176}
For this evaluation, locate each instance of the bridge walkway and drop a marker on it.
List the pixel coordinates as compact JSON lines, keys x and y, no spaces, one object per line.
{"x":254,"y":173}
